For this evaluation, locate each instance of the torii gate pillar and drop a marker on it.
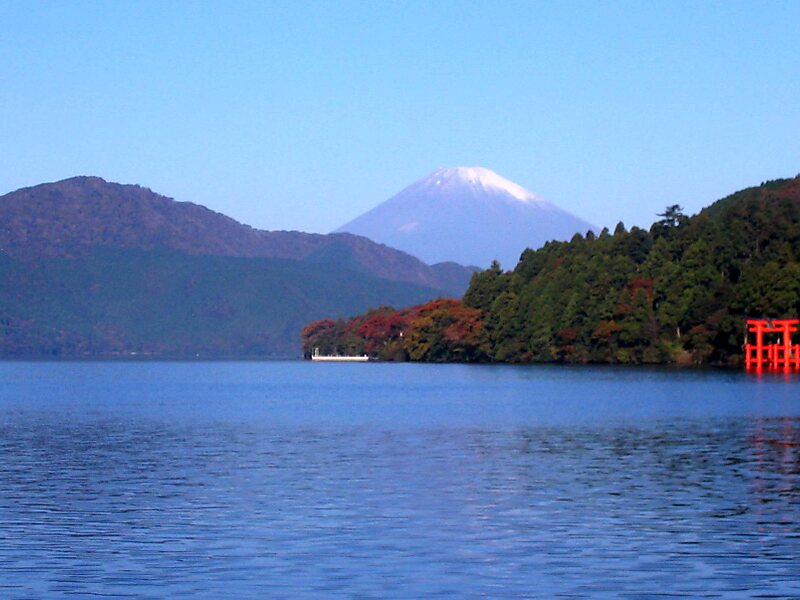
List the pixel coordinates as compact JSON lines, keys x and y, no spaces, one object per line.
{"x":780,"y":353}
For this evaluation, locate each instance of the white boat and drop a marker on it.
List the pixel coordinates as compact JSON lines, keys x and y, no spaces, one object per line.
{"x":337,"y":358}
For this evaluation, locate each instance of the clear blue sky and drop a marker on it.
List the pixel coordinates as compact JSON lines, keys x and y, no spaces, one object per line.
{"x":302,"y":115}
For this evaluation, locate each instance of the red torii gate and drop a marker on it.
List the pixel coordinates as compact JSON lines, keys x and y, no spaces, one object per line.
{"x":780,"y":353}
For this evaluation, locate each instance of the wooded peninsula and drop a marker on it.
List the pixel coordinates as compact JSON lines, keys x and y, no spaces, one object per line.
{"x":678,"y":293}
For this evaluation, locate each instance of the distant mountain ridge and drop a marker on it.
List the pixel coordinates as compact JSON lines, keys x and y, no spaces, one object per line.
{"x":90,"y":268}
{"x":469,"y":215}
{"x":69,"y":218}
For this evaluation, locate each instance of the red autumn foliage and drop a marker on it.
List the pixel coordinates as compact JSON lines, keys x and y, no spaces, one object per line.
{"x":385,"y":331}
{"x":316,"y":328}
{"x":466,"y":326}
{"x":606,"y":330}
{"x":641,"y":283}
{"x":377,"y":328}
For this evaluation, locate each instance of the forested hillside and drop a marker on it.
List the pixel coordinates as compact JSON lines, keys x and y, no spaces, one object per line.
{"x":71,"y":218}
{"x":677,"y":293}
{"x":90,"y":268}
{"x":159,"y":303}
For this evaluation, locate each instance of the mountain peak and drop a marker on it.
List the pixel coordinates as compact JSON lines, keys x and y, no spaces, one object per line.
{"x":469,"y":215}
{"x":480,"y":178}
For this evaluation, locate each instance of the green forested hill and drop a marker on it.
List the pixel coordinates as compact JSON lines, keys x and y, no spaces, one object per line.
{"x":679,"y":292}
{"x":93,"y":268}
{"x":169,"y":304}
{"x":72,"y":217}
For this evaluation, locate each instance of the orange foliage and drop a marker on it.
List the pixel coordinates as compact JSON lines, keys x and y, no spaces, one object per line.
{"x":315,"y":328}
{"x":640,"y":283}
{"x":457,"y":327}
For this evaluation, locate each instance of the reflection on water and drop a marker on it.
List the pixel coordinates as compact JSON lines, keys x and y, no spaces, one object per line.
{"x":222,"y":497}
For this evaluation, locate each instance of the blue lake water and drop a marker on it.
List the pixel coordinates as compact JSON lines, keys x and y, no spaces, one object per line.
{"x":300,"y":480}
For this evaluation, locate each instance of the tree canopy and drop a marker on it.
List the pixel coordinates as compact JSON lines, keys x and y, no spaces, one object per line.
{"x":679,"y":292}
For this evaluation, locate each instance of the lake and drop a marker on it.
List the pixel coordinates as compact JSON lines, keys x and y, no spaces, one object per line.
{"x":305,"y":480}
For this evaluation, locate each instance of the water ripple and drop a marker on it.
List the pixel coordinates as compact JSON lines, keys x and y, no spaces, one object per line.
{"x":113,"y":502}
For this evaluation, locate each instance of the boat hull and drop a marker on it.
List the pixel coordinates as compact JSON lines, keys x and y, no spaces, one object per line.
{"x":321,"y":358}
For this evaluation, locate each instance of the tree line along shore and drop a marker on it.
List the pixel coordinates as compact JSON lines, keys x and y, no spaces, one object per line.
{"x":679,"y":292}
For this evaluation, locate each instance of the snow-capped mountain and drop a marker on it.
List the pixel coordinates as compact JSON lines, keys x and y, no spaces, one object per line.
{"x":469,"y":215}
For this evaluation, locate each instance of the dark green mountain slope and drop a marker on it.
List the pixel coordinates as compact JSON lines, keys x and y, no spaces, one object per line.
{"x":164,"y":303}
{"x":71,"y":217}
{"x":92,"y":268}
